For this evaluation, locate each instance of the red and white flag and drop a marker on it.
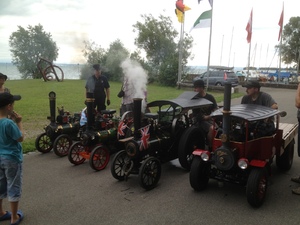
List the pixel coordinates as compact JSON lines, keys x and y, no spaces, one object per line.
{"x":249,"y":28}
{"x":145,"y":137}
{"x":280,"y":23}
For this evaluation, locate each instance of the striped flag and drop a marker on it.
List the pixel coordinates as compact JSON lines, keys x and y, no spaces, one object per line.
{"x":203,"y":20}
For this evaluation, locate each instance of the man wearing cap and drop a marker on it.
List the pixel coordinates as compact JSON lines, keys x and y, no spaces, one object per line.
{"x":3,"y":78}
{"x":255,"y":96}
{"x":202,"y":115}
{"x":98,"y":84}
{"x":11,"y":158}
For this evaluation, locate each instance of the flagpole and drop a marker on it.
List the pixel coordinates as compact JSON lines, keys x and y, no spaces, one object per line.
{"x":230,"y":47}
{"x":210,"y":34}
{"x":180,"y":53}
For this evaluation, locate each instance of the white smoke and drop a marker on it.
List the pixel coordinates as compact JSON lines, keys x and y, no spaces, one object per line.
{"x":137,"y":77}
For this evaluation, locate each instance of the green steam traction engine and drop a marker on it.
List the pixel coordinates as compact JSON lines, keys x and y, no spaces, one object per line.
{"x":100,"y":137}
{"x":61,"y":131}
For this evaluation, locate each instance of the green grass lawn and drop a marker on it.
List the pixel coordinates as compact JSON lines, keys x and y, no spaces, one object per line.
{"x":34,"y":105}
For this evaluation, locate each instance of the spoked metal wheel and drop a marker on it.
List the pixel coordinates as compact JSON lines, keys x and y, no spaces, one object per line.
{"x":149,"y":173}
{"x":99,"y":158}
{"x":43,"y":143}
{"x":76,"y":152}
{"x":119,"y":164}
{"x":62,"y":145}
{"x":257,"y":186}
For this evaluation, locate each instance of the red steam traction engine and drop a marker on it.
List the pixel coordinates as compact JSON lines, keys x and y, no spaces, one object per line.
{"x":247,"y":139}
{"x":100,"y":137}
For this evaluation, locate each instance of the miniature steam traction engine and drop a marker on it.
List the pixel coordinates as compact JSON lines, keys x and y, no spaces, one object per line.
{"x":158,"y":138}
{"x":247,"y":138}
{"x":61,"y":131}
{"x":99,"y":139}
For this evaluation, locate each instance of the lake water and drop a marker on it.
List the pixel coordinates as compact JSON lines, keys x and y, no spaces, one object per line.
{"x":71,"y":71}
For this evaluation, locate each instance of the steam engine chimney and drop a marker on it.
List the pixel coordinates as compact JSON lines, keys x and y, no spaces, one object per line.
{"x":52,"y":101}
{"x":226,"y":114}
{"x":90,"y":110}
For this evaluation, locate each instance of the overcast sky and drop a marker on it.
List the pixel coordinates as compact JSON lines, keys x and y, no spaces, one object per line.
{"x":70,"y":22}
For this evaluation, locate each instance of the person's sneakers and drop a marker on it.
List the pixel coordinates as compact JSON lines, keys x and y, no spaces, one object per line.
{"x":296,"y":179}
{"x":296,"y":191}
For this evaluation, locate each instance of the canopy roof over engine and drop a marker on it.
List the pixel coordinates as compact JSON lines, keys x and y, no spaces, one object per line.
{"x":250,"y":112}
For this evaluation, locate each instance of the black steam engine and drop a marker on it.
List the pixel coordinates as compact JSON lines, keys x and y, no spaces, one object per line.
{"x":99,"y":138}
{"x":61,"y":131}
{"x":158,"y":137}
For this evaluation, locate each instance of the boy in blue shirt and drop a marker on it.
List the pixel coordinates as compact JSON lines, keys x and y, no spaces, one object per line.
{"x":11,"y":158}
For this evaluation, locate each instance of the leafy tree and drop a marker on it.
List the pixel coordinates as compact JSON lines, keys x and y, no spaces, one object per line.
{"x":290,"y":47}
{"x":28,"y":46}
{"x":157,"y":38}
{"x":115,"y":55}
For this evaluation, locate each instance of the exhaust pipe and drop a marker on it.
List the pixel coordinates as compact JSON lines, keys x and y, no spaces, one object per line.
{"x":226,"y":115}
{"x":137,"y":116}
{"x":52,"y":102}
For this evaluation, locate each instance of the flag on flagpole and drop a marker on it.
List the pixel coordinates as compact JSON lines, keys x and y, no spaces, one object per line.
{"x":203,"y":20}
{"x":280,"y":23}
{"x":180,"y":9}
{"x":249,"y":28}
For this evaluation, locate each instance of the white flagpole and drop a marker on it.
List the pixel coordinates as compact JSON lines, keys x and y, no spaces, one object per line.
{"x":230,"y":46}
{"x":210,"y":34}
{"x":180,"y":52}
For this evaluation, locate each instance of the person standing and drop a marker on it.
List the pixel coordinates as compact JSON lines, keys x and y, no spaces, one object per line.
{"x":202,"y":115}
{"x":255,"y":96}
{"x":11,"y":158}
{"x":127,"y":98}
{"x":3,"y":78}
{"x":297,"y":104}
{"x":98,"y":84}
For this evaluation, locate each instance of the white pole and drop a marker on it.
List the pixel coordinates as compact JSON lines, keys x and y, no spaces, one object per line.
{"x":210,"y":34}
{"x":230,"y":46}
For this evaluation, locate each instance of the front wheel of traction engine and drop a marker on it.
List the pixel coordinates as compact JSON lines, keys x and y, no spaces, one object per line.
{"x":257,"y":185}
{"x":43,"y":143}
{"x":199,"y":174}
{"x":99,"y":158}
{"x":62,"y":145}
{"x":149,"y":173}
{"x":118,"y":165}
{"x":74,"y":154}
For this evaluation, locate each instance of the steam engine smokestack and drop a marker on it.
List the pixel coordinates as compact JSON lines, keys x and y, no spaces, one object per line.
{"x":90,"y":110}
{"x":137,"y":116}
{"x":226,"y":114}
{"x":52,"y":103}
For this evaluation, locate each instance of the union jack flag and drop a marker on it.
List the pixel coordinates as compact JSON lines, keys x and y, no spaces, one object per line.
{"x":121,"y":127}
{"x":145,"y":137}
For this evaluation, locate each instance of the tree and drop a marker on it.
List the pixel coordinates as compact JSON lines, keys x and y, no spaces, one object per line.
{"x":290,"y":47}
{"x":115,"y":55}
{"x":28,"y":46}
{"x":157,"y":38}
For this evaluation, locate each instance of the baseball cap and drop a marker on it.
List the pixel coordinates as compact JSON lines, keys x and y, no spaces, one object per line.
{"x":251,"y":83}
{"x":7,"y":98}
{"x":199,"y":83}
{"x":97,"y":66}
{"x":3,"y":75}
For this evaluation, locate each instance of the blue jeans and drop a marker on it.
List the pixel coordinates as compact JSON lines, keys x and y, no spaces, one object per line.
{"x":11,"y":174}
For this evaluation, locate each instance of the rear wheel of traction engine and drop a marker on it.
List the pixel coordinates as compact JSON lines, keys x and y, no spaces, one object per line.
{"x":191,"y":139}
{"x":149,"y":173}
{"x":99,"y":158}
{"x":74,"y":155}
{"x":199,"y":174}
{"x":285,"y":161}
{"x":117,"y":167}
{"x":257,"y":185}
{"x":62,"y":145}
{"x":43,"y":143}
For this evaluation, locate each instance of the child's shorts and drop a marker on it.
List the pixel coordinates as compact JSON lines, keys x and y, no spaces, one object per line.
{"x":11,"y":174}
